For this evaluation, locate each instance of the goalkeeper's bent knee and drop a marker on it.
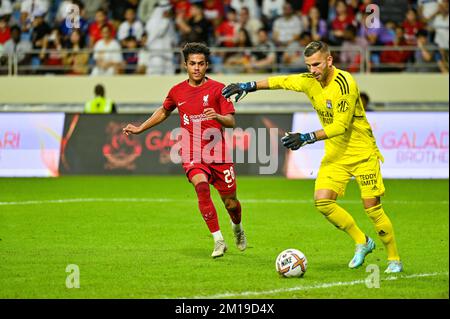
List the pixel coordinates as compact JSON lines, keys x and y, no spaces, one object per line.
{"x":334,"y":213}
{"x":325,"y":206}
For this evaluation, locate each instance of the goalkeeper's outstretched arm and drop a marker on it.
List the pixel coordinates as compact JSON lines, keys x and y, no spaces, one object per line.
{"x":262,"y":85}
{"x":240,"y":90}
{"x":160,"y":115}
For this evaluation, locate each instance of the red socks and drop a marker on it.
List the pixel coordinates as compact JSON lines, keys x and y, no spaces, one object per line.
{"x":235,"y":213}
{"x":206,"y":206}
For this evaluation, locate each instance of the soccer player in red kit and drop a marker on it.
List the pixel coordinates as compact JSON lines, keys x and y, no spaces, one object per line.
{"x":203,"y":109}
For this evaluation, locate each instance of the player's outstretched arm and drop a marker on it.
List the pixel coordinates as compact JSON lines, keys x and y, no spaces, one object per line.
{"x":160,"y":115}
{"x":240,"y":90}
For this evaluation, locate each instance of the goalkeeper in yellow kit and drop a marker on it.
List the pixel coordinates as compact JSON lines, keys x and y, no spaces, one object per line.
{"x":350,"y":147}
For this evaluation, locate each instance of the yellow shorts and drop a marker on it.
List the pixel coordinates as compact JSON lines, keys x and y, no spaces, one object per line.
{"x":367,"y":174}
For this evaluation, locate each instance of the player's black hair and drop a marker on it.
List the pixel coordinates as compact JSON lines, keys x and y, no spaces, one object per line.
{"x":99,"y":90}
{"x":316,"y":46}
{"x":195,"y":48}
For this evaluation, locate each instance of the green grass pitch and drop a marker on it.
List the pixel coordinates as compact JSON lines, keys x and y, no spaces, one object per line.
{"x":143,"y":237}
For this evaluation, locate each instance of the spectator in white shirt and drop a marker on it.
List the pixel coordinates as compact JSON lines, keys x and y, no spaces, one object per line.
{"x":29,"y":9}
{"x":440,"y":25}
{"x":107,"y":54}
{"x":65,"y":7}
{"x":272,"y":9}
{"x":130,"y":27}
{"x":17,"y":45}
{"x":161,"y":40}
{"x":287,"y":28}
{"x":427,"y":8}
{"x":252,"y":25}
{"x":5,"y":8}
{"x":145,"y":9}
{"x":252,"y":6}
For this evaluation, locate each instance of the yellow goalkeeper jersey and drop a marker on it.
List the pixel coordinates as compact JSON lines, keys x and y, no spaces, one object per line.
{"x":341,"y":112}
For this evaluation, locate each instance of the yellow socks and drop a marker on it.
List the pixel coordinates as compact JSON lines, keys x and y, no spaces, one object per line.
{"x":384,"y":230}
{"x":341,"y":219}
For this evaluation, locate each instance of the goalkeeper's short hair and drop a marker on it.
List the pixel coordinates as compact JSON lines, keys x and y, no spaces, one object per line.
{"x":316,"y":46}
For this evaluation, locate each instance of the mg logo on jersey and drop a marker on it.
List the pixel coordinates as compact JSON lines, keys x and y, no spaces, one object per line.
{"x":343,"y":106}
{"x":205,"y":100}
{"x":185,"y":119}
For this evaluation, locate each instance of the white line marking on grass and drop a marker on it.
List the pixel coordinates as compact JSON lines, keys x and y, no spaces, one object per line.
{"x":310,"y":287}
{"x":92,"y":200}
{"x":171,"y":200}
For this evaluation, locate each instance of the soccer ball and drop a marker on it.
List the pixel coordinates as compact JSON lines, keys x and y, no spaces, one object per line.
{"x":291,"y":263}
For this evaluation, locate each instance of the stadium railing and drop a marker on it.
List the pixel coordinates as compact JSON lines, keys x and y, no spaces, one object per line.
{"x":364,"y":60}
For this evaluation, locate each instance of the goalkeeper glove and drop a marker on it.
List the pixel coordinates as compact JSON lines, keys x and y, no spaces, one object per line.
{"x":240,"y":89}
{"x":294,"y":141}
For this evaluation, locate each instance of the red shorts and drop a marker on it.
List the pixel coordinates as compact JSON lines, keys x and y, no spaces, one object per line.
{"x":220,"y":175}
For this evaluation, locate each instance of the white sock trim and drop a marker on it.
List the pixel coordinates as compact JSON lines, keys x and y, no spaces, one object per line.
{"x":217,"y":235}
{"x":236,"y":227}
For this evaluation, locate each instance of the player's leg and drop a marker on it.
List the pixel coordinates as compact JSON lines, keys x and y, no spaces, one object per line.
{"x":372,"y":188}
{"x":331,"y":182}
{"x":233,"y":207}
{"x":224,"y":180}
{"x":325,"y":201}
{"x":199,"y":179}
{"x":385,"y":231}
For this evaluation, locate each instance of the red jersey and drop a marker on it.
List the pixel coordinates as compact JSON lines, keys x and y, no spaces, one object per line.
{"x":182,"y":7}
{"x":340,"y":23}
{"x":228,"y":30}
{"x":410,"y":31}
{"x":95,"y":31}
{"x":191,"y":102}
{"x":5,"y":35}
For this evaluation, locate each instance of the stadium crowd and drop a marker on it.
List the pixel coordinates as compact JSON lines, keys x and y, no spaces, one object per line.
{"x":105,"y":37}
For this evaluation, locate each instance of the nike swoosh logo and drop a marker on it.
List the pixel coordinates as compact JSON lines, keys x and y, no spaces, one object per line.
{"x":181,"y":103}
{"x":229,"y":186}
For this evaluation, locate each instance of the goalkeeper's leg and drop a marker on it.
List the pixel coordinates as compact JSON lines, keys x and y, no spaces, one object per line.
{"x":368,"y":176}
{"x":331,"y":182}
{"x":338,"y":216}
{"x":385,"y":231}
